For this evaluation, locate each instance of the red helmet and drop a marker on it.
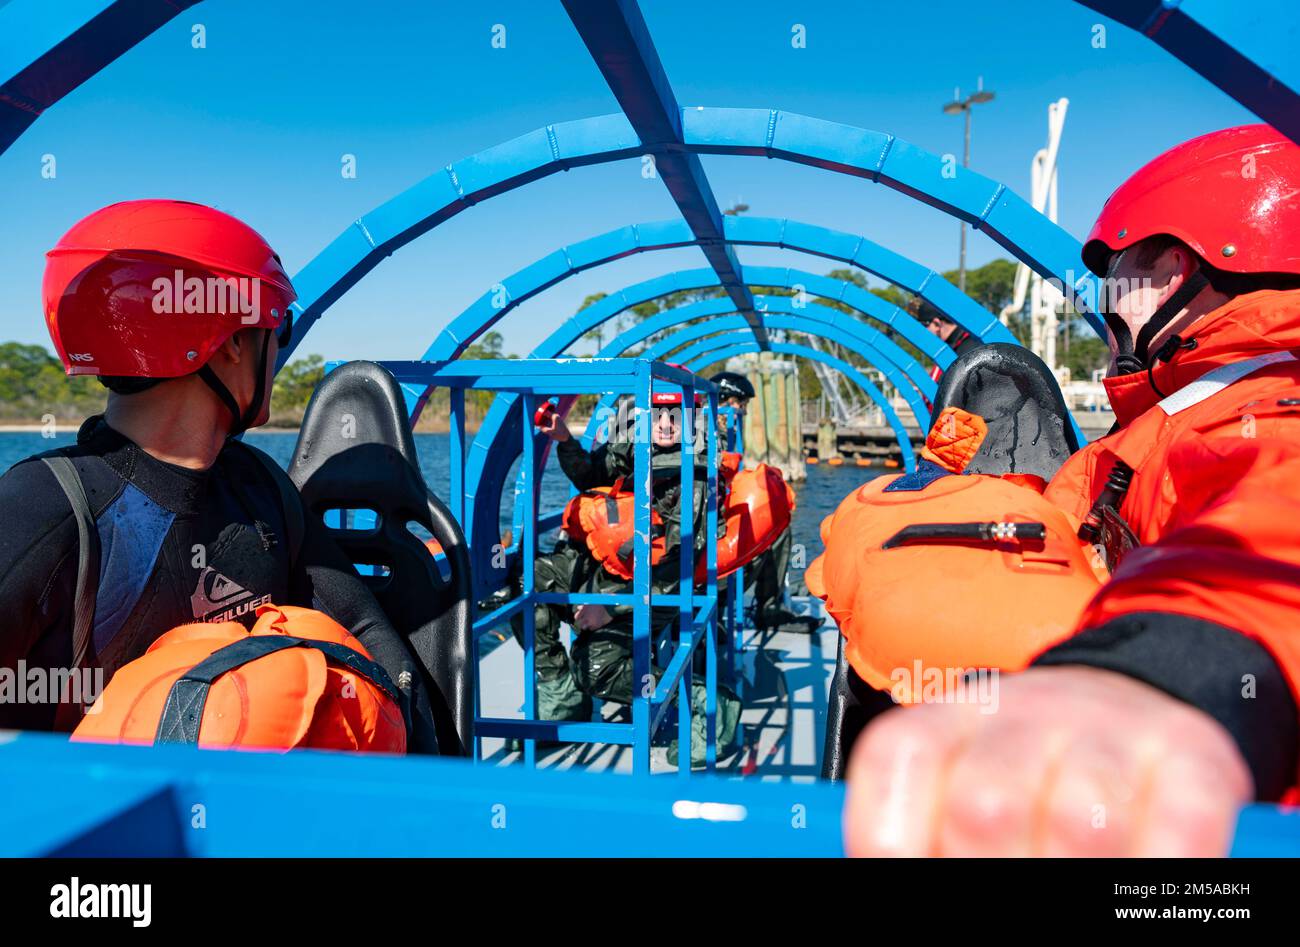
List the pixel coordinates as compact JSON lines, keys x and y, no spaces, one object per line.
{"x":669,"y":396}
{"x":151,"y":289}
{"x":1233,"y":196}
{"x":672,"y":397}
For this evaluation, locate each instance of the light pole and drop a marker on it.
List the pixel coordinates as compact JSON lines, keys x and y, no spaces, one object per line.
{"x":958,"y":105}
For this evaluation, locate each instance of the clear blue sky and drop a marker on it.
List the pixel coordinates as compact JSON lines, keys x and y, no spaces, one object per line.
{"x":257,"y":122}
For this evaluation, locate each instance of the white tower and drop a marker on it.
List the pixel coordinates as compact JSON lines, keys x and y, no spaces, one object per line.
{"x":1045,"y":300}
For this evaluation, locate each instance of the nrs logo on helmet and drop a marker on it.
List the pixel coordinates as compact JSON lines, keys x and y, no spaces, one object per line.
{"x":102,"y":285}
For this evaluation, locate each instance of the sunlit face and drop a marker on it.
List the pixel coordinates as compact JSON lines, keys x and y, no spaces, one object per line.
{"x":1134,"y":294}
{"x":668,"y":427}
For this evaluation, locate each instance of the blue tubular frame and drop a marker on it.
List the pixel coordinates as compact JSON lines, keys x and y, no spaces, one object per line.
{"x":698,"y":612}
{"x":649,"y":237}
{"x":724,"y":346}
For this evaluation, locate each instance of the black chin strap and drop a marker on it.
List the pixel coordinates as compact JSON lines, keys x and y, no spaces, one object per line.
{"x":241,"y":422}
{"x":1135,"y":358}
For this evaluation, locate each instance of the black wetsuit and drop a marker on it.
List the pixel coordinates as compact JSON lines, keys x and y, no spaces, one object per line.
{"x":176,"y":546}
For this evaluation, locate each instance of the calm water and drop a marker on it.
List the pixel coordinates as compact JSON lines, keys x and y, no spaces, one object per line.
{"x":818,"y":496}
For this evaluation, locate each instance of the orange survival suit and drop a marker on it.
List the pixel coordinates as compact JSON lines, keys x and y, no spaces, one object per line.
{"x":1214,"y":497}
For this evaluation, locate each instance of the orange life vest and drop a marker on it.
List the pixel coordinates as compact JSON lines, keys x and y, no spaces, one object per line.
{"x":327,"y":694}
{"x":758,"y":509}
{"x":938,"y":571}
{"x":602,"y":518}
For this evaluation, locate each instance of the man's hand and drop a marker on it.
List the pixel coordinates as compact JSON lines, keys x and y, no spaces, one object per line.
{"x":552,"y":425}
{"x":1075,"y":761}
{"x":591,"y":617}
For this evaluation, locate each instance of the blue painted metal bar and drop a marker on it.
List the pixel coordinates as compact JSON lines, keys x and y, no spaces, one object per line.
{"x":499,"y":616}
{"x":1246,"y":49}
{"x":527,"y":497}
{"x":643,"y":486}
{"x":52,"y":48}
{"x":456,"y":492}
{"x":734,"y":616}
{"x":559,"y":731}
{"x":844,"y":368}
{"x":711,"y":587}
{"x":618,"y":40}
{"x":86,"y":799}
{"x":686,"y":577}
{"x":91,"y":800}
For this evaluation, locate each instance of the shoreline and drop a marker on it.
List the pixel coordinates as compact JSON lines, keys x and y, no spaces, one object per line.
{"x":441,"y":426}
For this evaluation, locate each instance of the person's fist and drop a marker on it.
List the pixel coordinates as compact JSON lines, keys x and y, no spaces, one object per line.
{"x":1074,"y":761}
{"x":591,"y":617}
{"x":551,"y":424}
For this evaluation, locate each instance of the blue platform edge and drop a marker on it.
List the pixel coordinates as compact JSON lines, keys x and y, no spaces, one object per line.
{"x":64,"y":799}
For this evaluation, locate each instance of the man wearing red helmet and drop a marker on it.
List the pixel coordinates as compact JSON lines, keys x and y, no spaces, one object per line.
{"x":157,"y":517}
{"x":1175,"y":702}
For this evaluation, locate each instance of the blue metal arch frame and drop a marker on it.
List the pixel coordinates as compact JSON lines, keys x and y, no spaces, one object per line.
{"x":876,"y":345}
{"x":825,"y":242}
{"x":728,"y":340}
{"x":492,"y":453}
{"x":848,"y":371}
{"x":913,"y":384}
{"x":875,"y":156}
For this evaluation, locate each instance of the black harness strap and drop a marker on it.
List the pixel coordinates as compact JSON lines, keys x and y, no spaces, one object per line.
{"x":83,"y":623}
{"x":182,"y":714}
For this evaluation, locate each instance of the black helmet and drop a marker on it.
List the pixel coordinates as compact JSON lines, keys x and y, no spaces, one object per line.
{"x":733,"y":385}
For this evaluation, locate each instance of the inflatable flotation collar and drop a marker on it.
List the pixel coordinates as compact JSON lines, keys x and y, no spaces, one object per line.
{"x":298,"y":679}
{"x":941,"y":571}
{"x":602,"y":519}
{"x":757,"y":508}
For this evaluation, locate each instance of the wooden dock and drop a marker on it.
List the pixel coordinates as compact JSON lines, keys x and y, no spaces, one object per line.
{"x":870,"y":444}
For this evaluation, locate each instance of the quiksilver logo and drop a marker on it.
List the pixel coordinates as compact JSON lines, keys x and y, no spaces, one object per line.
{"x":103,"y":900}
{"x":219,"y":598}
